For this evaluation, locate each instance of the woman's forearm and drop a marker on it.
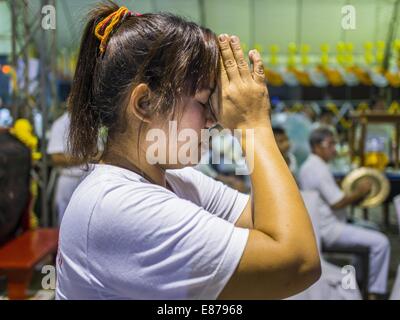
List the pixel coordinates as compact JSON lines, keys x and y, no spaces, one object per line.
{"x":278,"y":209}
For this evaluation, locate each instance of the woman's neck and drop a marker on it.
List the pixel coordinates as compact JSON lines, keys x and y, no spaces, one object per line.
{"x":135,"y":163}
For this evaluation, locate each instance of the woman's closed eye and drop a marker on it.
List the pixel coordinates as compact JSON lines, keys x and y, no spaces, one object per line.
{"x":203,"y":104}
{"x":208,"y":108}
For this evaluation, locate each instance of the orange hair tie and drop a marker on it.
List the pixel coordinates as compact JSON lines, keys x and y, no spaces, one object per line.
{"x":105,"y":27}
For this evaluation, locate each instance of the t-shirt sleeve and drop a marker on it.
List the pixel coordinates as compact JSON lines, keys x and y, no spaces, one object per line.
{"x":214,"y":196}
{"x":57,"y":138}
{"x":328,"y":188}
{"x":165,"y":247}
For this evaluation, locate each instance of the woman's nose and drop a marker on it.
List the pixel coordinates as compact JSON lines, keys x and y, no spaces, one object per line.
{"x":210,"y":122}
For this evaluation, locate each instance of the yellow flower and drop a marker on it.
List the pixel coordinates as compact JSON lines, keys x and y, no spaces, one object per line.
{"x":23,"y":131}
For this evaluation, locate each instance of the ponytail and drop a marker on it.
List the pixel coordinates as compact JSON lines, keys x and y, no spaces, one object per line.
{"x":85,"y":118}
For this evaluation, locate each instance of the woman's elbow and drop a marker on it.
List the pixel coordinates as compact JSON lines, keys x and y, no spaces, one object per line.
{"x":309,"y":270}
{"x":301,"y":275}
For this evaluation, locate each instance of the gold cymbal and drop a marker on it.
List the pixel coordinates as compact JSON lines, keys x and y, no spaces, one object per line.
{"x":380,"y":186}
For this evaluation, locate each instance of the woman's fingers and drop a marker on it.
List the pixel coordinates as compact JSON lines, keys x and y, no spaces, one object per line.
{"x":239,"y":57}
{"x":224,"y":76}
{"x":258,"y":67}
{"x":234,"y":66}
{"x":228,"y":58}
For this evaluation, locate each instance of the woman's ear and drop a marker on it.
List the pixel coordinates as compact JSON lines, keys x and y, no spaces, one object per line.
{"x":139,"y":103}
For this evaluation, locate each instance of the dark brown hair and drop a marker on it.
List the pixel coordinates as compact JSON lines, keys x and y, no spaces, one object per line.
{"x":319,"y":135}
{"x":174,"y":57}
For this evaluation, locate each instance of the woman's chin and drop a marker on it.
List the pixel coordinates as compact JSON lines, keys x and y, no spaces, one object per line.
{"x":181,"y":165}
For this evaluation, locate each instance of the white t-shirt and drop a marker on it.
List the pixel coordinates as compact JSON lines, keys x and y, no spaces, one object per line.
{"x":292,"y":163}
{"x":123,"y":237}
{"x":315,"y":175}
{"x":58,"y":143}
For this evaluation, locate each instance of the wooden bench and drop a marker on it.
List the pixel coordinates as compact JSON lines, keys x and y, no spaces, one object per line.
{"x":19,"y":256}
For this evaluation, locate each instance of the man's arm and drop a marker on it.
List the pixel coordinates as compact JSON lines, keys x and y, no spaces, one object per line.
{"x":362,"y":190}
{"x":334,"y":196}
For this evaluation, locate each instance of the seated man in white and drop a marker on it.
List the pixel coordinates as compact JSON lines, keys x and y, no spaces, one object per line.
{"x":332,"y":284}
{"x":395,"y":295}
{"x":315,"y":175}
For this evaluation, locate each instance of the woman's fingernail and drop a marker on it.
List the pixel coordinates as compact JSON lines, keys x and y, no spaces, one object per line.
{"x":222,"y":37}
{"x":234,"y":39}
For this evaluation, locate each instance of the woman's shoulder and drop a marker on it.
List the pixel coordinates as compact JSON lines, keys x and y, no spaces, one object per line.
{"x":187,"y":175}
{"x":111,"y":191}
{"x":135,"y":207}
{"x":188,"y":182}
{"x":119,"y":200}
{"x":107,"y":174}
{"x":100,"y":175}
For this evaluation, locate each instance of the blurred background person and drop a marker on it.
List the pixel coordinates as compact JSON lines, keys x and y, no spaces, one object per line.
{"x":224,"y":160}
{"x":315,"y":175}
{"x":284,"y":146}
{"x":70,"y":173}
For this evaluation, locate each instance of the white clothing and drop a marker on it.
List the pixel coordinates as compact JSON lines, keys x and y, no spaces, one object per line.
{"x":292,"y":163}
{"x":70,"y":177}
{"x":65,"y":187}
{"x":379,"y":256}
{"x":396,"y":204}
{"x":395,"y":295}
{"x":329,"y":286}
{"x":315,"y":175}
{"x":58,"y":143}
{"x":123,"y":237}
